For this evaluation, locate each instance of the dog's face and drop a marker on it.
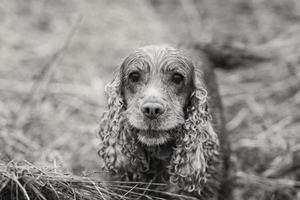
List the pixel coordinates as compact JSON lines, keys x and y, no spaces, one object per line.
{"x":156,"y":87}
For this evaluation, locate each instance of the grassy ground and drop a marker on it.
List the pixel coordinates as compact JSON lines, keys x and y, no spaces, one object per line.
{"x":56,"y":57}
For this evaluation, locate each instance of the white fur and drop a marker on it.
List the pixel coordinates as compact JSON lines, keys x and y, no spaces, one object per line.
{"x":151,"y":141}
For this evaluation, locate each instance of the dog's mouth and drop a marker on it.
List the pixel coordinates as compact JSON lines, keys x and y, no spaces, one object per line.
{"x":153,"y":137}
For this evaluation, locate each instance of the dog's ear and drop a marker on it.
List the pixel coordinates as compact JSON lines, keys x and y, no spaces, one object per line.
{"x":196,"y":158}
{"x":117,"y":148}
{"x":112,"y":133}
{"x":109,"y":133}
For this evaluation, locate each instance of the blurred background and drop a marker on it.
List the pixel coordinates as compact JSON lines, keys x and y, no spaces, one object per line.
{"x":56,"y":57}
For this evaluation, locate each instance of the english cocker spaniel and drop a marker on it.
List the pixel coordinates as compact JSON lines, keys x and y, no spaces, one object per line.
{"x":165,"y":123}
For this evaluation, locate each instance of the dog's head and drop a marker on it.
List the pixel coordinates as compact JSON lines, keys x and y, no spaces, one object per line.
{"x":156,"y":85}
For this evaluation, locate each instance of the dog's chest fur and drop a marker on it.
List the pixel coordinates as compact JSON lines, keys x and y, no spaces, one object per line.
{"x":158,"y":158}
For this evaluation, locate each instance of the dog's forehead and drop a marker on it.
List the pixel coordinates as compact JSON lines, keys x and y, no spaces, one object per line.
{"x":159,"y":57}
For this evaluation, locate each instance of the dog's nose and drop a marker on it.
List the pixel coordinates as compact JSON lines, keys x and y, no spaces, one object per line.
{"x":152,"y":110}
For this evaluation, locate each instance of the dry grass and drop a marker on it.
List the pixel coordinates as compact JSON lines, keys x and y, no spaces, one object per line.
{"x":30,"y":182}
{"x":262,"y":101}
{"x":26,"y":181}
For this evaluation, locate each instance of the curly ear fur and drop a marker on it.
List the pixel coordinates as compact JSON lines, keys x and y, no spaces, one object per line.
{"x":117,"y":146}
{"x":195,"y":163}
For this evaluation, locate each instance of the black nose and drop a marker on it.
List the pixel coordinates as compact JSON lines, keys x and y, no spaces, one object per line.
{"x":152,"y":110}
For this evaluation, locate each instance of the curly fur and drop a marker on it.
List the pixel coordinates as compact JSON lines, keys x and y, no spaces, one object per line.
{"x":196,"y":158}
{"x":195,"y":165}
{"x":117,"y":149}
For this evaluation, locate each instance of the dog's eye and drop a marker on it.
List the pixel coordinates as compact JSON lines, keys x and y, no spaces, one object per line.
{"x":177,"y":78}
{"x":134,"y":77}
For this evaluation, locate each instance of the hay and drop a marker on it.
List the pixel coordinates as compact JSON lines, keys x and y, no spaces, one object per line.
{"x":25,"y":181}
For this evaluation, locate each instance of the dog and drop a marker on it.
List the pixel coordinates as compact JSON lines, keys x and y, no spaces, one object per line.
{"x":165,"y":123}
